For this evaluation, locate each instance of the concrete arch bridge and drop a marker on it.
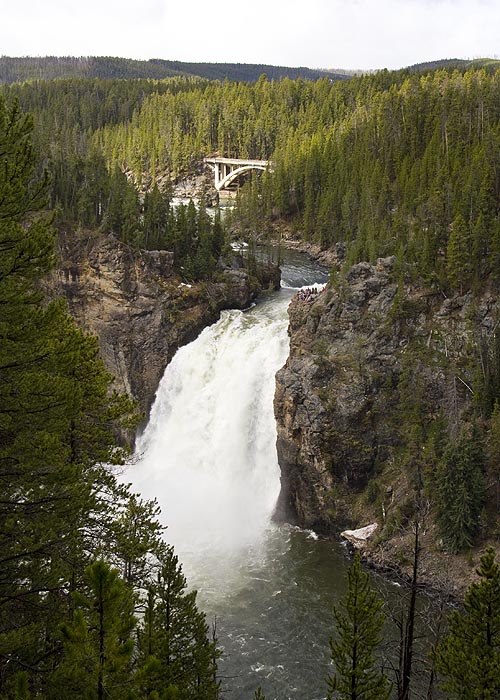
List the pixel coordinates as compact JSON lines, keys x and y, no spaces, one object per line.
{"x":228,"y":170}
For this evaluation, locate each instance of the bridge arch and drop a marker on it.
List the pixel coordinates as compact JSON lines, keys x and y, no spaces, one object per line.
{"x":234,"y":174}
{"x":227,"y":170}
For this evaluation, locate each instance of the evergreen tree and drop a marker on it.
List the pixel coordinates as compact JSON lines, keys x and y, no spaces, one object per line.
{"x":359,"y":621}
{"x":32,"y":474}
{"x":175,"y":651}
{"x":459,"y":481}
{"x":56,"y":425}
{"x":135,"y":535}
{"x":469,"y":657}
{"x":98,"y":642}
{"x":458,"y":254}
{"x":156,"y":219}
{"x":114,"y":219}
{"x":93,"y":191}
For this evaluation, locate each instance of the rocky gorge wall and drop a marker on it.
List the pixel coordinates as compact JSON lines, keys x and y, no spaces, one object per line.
{"x":338,"y":403}
{"x":138,"y":307}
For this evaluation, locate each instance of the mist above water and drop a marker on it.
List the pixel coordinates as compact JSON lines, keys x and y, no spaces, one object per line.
{"x":208,"y":454}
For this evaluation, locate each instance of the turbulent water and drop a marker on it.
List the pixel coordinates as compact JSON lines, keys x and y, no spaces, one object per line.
{"x":208,"y":455}
{"x":209,"y":449}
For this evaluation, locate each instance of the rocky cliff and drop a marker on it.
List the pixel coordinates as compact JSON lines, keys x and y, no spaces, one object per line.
{"x":358,"y":352}
{"x":138,"y":307}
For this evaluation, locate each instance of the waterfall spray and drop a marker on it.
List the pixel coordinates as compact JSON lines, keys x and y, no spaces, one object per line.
{"x":208,"y":453}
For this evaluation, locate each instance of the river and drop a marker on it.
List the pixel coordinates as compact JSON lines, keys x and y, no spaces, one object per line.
{"x":208,"y":455}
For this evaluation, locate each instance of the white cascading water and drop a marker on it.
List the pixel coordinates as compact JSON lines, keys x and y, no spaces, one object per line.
{"x":208,"y":454}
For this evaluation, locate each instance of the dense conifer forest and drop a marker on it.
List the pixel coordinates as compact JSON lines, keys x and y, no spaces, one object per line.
{"x":404,"y":164}
{"x":49,"y":67}
{"x":92,"y":602}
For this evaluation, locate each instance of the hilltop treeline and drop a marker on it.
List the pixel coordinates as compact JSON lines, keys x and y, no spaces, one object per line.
{"x":19,"y":69}
{"x":392,"y":163}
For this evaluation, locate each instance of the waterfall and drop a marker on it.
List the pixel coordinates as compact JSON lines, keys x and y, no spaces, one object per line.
{"x":208,"y":454}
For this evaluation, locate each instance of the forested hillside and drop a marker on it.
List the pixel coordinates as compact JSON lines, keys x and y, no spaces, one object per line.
{"x":399,"y":174}
{"x":49,"y":67}
{"x":393,"y":163}
{"x":410,"y":169}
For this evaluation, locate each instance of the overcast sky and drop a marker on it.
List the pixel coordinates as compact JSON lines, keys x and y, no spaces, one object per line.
{"x":314,"y":33}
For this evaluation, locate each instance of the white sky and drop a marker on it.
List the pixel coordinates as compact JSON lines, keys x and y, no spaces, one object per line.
{"x":313,"y":33}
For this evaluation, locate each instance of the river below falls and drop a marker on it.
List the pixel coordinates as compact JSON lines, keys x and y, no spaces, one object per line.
{"x":208,"y":456}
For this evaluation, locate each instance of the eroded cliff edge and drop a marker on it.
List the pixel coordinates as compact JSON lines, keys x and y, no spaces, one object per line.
{"x":358,"y":351}
{"x":138,"y":306}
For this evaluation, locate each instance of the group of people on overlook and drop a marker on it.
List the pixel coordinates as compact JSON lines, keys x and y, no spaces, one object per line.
{"x":309,"y":293}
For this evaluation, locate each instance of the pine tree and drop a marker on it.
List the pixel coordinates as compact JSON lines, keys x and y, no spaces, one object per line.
{"x":459,"y":481}
{"x":174,"y":647}
{"x":469,"y":657}
{"x":56,"y":424}
{"x":458,"y":255}
{"x":156,"y":219}
{"x":359,"y":621}
{"x":98,"y":642}
{"x":30,"y":455}
{"x":93,"y":192}
{"x":135,"y":535}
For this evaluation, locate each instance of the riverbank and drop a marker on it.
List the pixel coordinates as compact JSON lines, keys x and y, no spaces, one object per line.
{"x":328,"y":258}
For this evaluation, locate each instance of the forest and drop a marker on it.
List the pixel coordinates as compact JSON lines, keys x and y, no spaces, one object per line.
{"x":398,"y":163}
{"x":93,"y":602}
{"x":50,"y":67}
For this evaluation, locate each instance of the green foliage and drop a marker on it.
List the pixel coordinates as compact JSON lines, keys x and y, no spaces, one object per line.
{"x":460,"y":490}
{"x":487,"y":379}
{"x":359,"y":621}
{"x":458,"y":254}
{"x":397,"y":163}
{"x":401,"y":164}
{"x":67,"y":620}
{"x":173,"y":644}
{"x":469,"y":657}
{"x":98,"y":641}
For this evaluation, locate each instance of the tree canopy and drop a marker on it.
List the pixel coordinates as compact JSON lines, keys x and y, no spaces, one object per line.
{"x":68,"y":621}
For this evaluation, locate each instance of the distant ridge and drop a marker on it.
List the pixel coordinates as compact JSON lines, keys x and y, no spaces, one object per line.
{"x":458,"y":63}
{"x":24,"y":68}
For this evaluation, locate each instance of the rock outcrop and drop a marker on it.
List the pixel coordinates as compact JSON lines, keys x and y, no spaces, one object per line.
{"x":138,"y":307}
{"x":341,"y":357}
{"x":338,"y":397}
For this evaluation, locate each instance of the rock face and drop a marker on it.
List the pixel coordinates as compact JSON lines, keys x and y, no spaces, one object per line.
{"x":138,"y":307}
{"x":337,"y":397}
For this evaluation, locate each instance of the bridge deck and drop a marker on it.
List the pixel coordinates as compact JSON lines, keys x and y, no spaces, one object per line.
{"x":236,"y":161}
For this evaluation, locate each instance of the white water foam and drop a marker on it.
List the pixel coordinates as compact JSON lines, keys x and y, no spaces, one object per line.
{"x":208,"y":454}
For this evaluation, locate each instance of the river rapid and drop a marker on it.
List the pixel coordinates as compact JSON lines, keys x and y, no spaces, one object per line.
{"x":208,"y":455}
